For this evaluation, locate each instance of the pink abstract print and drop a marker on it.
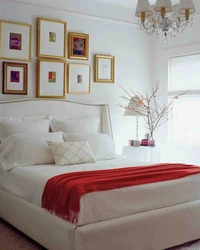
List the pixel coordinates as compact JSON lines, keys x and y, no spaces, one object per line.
{"x":79,"y":46}
{"x":15,"y":76}
{"x":79,"y":79}
{"x":15,"y":41}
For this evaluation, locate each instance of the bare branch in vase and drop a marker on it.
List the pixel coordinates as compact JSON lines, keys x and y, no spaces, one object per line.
{"x":154,"y":114}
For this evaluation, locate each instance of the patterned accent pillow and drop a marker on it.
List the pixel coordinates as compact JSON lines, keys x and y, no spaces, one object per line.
{"x":70,"y":153}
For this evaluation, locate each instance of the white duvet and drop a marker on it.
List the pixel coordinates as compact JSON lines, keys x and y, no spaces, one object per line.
{"x":29,"y":182}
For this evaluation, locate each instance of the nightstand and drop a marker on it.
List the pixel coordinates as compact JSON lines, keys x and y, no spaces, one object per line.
{"x":145,"y":154}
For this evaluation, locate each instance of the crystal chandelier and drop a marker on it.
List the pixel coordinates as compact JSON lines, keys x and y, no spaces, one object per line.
{"x":164,"y":20}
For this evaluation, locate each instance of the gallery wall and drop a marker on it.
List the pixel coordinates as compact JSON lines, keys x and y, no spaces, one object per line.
{"x":131,"y":48}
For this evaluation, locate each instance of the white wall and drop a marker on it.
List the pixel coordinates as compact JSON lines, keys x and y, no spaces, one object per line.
{"x":186,"y":43}
{"x":131,"y":48}
{"x":89,"y":7}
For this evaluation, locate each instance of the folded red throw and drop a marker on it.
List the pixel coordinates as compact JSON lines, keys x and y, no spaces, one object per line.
{"x":62,"y":193}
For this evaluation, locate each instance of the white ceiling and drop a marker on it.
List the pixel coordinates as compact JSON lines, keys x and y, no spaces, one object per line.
{"x":133,"y":3}
{"x":128,"y":3}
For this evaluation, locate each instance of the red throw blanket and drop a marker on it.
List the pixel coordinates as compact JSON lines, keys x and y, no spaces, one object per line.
{"x":62,"y":193}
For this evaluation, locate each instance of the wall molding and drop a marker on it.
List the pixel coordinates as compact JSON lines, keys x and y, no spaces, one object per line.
{"x":124,"y":17}
{"x":188,"y":45}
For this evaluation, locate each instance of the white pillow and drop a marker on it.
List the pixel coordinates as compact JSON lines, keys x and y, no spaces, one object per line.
{"x":27,"y":149}
{"x":70,"y":153}
{"x":15,"y":127}
{"x":76,"y":124}
{"x":102,"y":145}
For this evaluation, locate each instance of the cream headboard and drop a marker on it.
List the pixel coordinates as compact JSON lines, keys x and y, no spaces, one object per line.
{"x":34,"y":107}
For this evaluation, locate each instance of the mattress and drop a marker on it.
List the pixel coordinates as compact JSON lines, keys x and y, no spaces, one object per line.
{"x":29,"y":182}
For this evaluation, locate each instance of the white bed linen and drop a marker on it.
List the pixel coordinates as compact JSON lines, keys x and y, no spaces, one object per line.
{"x":29,"y":183}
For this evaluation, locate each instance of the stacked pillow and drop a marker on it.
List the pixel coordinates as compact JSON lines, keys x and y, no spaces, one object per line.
{"x":23,"y":141}
{"x":75,"y":124}
{"x":85,"y":129}
{"x":27,"y":141}
{"x":13,"y":125}
{"x":27,"y":149}
{"x":102,"y":145}
{"x":8,"y":128}
{"x":82,"y":148}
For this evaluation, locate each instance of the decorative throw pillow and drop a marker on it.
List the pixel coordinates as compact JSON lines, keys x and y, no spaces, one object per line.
{"x":27,"y":149}
{"x":75,"y":124}
{"x":102,"y":145}
{"x":70,"y":153}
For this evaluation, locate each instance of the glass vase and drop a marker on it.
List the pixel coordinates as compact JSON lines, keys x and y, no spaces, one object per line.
{"x":151,"y":141}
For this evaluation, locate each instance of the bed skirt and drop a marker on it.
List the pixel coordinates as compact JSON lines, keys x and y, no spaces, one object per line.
{"x":152,"y":230}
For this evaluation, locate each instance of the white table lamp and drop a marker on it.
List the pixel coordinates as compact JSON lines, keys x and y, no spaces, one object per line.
{"x":133,"y":110}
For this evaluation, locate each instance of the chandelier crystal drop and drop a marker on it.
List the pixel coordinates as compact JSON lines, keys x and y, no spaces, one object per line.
{"x":164,"y":20}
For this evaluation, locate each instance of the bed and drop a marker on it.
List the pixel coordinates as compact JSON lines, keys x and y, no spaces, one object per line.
{"x":155,"y":225}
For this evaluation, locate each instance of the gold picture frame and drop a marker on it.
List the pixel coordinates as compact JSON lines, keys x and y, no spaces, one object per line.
{"x":51,"y":38}
{"x":15,"y":78}
{"x":15,"y":41}
{"x":79,"y":79}
{"x":104,"y":69}
{"x":78,"y":46}
{"x":51,"y":78}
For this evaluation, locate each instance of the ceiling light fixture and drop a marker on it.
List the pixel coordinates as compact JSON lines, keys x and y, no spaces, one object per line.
{"x":164,"y":20}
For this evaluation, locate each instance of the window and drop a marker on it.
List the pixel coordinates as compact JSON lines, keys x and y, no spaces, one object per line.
{"x":184,"y":122}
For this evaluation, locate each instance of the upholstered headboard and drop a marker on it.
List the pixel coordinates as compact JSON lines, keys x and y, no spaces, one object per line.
{"x":34,"y":107}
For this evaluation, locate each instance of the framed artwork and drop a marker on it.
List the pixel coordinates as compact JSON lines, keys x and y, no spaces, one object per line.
{"x":51,"y":79}
{"x":79,"y":76}
{"x":16,"y":41}
{"x":15,"y":78}
{"x":51,"y":38}
{"x":78,"y":46}
{"x":104,"y":69}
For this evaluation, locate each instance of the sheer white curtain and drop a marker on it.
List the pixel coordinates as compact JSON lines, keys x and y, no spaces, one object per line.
{"x":184,"y":120}
{"x":184,"y":74}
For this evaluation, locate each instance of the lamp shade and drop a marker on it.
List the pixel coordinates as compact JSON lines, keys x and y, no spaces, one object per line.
{"x":186,"y":5}
{"x":143,"y":6}
{"x":133,"y":109}
{"x":167,"y":4}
